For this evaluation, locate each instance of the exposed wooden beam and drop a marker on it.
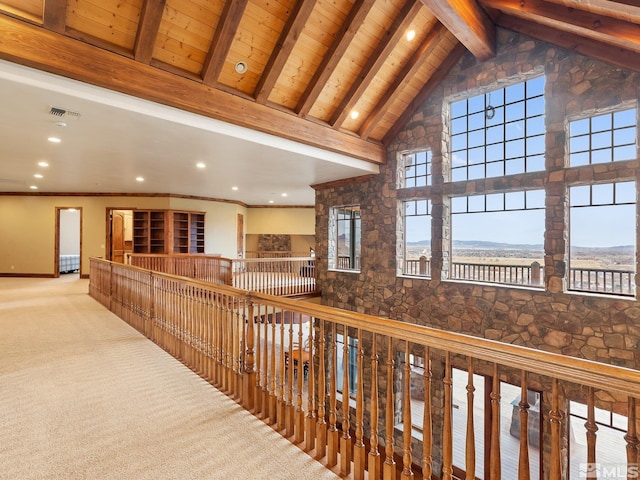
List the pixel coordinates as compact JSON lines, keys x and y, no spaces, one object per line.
{"x":628,"y":10}
{"x":336,"y":51}
{"x":469,"y":23}
{"x":441,"y":72}
{"x":222,"y":38}
{"x":608,"y":30}
{"x":150,"y":18}
{"x":586,"y":46}
{"x":36,"y":47}
{"x":376,"y":60}
{"x":283,"y":48}
{"x":55,"y":15}
{"x":417,"y":61}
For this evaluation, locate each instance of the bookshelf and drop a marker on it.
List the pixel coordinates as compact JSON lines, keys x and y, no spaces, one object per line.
{"x":168,"y":231}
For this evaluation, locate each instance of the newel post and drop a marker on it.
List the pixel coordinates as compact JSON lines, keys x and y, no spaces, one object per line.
{"x":249,"y":374}
{"x":535,"y":273}
{"x":423,"y":265}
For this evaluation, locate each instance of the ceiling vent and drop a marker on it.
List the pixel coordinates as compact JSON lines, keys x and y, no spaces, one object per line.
{"x":63,"y":113}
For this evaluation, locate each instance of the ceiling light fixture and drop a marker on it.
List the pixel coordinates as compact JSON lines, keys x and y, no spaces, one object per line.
{"x":271,"y":201}
{"x":43,"y":164}
{"x":139,"y":179}
{"x":234,"y":188}
{"x":33,"y":187}
{"x":37,"y":175}
{"x":354,"y":114}
{"x":241,"y":67}
{"x":200,"y":165}
{"x":285,"y":194}
{"x":411,"y":34}
{"x":54,"y":139}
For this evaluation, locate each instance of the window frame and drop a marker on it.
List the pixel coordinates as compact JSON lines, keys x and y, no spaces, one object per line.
{"x":354,"y":223}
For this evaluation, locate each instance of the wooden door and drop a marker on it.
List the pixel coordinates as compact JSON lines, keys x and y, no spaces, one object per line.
{"x":117,"y":237}
{"x":240,"y":235}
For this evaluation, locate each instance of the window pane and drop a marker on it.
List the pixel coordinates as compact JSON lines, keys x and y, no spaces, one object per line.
{"x":459,"y":109}
{"x":476,"y":104}
{"x":535,"y":87}
{"x":624,"y":118}
{"x":514,"y":93}
{"x":580,"y":195}
{"x":601,"y":122}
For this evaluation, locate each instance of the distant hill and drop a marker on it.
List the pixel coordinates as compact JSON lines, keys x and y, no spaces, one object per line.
{"x":483,"y":245}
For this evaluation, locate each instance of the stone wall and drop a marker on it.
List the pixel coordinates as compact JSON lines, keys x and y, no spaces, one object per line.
{"x":274,"y":243}
{"x":596,"y":327}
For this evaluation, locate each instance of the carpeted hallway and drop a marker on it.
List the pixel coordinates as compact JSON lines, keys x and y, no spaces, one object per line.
{"x":84,"y":396}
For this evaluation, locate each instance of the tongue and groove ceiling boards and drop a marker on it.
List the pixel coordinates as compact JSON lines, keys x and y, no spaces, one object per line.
{"x":339,"y":75}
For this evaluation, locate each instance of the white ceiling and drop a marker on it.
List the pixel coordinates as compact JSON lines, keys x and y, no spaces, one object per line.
{"x":118,"y":138}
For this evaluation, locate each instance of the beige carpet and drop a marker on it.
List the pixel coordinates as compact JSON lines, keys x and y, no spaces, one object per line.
{"x":84,"y":396}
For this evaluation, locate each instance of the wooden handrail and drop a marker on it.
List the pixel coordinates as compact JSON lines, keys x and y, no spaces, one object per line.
{"x":238,"y":339}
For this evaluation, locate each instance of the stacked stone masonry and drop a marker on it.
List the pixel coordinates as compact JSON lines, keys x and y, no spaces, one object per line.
{"x":596,"y":327}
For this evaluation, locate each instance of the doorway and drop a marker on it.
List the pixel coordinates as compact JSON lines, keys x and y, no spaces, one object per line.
{"x":68,"y":247}
{"x":119,"y":234}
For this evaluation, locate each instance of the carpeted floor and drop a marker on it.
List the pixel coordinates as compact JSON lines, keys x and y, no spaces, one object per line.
{"x":84,"y":396}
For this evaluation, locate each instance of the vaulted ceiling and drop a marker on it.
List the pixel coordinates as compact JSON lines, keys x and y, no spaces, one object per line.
{"x":341,"y":75}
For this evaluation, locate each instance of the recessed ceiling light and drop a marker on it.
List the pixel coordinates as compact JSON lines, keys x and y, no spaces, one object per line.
{"x":241,"y":67}
{"x":54,"y":139}
{"x":270,"y":201}
{"x":354,"y":114}
{"x":37,"y":175}
{"x":139,"y":179}
{"x":285,"y":194}
{"x":411,"y":34}
{"x":33,"y":187}
{"x":200,"y":165}
{"x":43,"y":164}
{"x":234,"y":188}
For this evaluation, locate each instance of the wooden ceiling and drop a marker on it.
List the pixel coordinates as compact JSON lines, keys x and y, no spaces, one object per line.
{"x":310,"y":63}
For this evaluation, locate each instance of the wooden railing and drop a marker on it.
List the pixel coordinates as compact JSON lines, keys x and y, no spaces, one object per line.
{"x":274,"y":254}
{"x":208,"y":268}
{"x":418,"y":267}
{"x":276,"y":276}
{"x":621,"y":282}
{"x":507,"y":274}
{"x":285,"y":361}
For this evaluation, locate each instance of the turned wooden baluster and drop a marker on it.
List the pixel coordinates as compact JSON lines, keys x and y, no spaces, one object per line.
{"x":358,"y":448}
{"x":257,"y":393}
{"x":273,"y":395}
{"x":321,"y":427}
{"x":249,"y":378}
{"x":289,"y":408}
{"x":224,"y":344}
{"x":389,"y":466}
{"x":310,"y":422}
{"x":282,"y":417}
{"x":470,"y":447}
{"x":555,"y":417}
{"x":332,"y":434}
{"x":345,"y":438}
{"x":265,"y":366}
{"x":591,"y":428}
{"x":215,"y":342}
{"x":633,"y":443}
{"x":374,"y":455}
{"x":495,"y":456}
{"x":447,"y":427}
{"x":523,"y":456}
{"x":299,"y":418}
{"x":407,"y":473}
{"x":427,"y":431}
